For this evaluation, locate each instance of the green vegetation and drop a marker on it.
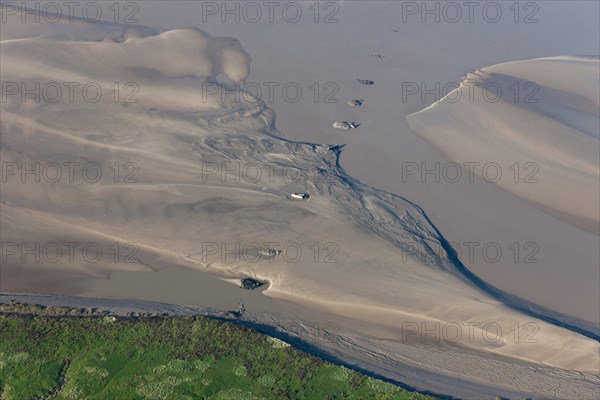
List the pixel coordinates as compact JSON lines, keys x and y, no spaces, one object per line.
{"x":70,"y":354}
